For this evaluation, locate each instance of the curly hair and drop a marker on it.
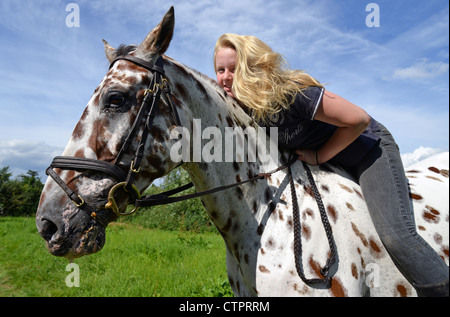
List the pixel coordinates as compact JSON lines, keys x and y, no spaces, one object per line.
{"x":263,"y":82}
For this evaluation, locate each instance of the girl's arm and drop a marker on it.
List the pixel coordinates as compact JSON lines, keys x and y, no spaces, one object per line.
{"x":351,"y":121}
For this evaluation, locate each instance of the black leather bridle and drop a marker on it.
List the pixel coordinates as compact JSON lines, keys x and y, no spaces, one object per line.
{"x":158,"y":85}
{"x":148,"y":110}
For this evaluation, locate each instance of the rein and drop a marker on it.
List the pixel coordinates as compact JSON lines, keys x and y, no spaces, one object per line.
{"x":326,"y":281}
{"x":163,"y":198}
{"x":157,"y":87}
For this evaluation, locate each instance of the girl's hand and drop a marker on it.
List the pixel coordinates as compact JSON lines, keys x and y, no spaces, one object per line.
{"x":307,"y":156}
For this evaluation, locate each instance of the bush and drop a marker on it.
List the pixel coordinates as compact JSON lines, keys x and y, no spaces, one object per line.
{"x":20,"y":196}
{"x":188,"y":215}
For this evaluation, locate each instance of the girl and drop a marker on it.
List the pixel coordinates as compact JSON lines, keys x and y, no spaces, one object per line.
{"x":321,"y":126}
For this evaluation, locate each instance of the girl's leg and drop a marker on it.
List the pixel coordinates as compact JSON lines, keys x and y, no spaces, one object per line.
{"x":385,"y":188}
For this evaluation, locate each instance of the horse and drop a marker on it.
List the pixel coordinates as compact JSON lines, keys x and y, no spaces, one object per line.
{"x":117,"y":150}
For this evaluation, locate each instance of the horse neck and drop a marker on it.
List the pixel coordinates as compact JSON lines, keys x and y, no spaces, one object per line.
{"x":207,"y":102}
{"x":209,"y":107}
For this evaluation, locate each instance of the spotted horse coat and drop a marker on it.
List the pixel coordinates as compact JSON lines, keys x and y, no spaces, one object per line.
{"x":255,"y":219}
{"x":364,"y":268}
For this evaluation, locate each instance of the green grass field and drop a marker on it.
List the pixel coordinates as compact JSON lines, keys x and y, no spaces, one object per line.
{"x":134,"y":262}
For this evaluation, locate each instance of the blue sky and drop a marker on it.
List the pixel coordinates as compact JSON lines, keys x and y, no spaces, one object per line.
{"x":398,"y":72}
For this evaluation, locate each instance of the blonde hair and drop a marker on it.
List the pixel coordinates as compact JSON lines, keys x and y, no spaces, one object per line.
{"x":262,"y":80}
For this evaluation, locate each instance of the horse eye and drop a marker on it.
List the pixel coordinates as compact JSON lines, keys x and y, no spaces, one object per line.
{"x":115,"y":100}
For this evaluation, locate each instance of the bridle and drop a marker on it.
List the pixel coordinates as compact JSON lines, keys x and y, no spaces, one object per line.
{"x":149,"y":106}
{"x":148,"y":109}
{"x":157,"y":87}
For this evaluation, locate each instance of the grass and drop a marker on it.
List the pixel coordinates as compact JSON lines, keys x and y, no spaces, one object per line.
{"x":134,"y":262}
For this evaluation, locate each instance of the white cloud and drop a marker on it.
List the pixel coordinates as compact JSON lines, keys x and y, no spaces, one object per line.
{"x":24,"y":155}
{"x":418,"y":155}
{"x":421,"y":70}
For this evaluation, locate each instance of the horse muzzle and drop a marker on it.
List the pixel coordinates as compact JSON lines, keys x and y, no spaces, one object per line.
{"x":71,"y":235}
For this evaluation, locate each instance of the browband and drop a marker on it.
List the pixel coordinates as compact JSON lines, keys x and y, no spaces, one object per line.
{"x":157,"y":67}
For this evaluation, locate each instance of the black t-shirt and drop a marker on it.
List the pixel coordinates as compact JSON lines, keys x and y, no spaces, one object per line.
{"x":297,"y":129}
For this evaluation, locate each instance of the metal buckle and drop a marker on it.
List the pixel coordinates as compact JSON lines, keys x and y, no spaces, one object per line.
{"x":164,"y":85}
{"x":112,"y":204}
{"x":80,"y":204}
{"x":153,"y":90}
{"x":134,"y":170}
{"x":148,"y":90}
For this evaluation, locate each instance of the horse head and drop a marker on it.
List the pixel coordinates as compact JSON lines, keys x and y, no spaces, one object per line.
{"x":119,"y":143}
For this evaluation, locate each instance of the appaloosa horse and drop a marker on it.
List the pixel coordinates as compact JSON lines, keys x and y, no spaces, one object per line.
{"x":123,"y":142}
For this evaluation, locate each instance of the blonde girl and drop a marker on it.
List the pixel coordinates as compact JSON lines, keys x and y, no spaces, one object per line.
{"x":320,"y":127}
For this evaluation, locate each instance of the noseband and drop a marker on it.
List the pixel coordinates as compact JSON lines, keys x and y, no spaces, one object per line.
{"x":148,"y":109}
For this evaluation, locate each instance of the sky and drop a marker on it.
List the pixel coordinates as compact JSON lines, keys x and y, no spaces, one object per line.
{"x":393,"y":61}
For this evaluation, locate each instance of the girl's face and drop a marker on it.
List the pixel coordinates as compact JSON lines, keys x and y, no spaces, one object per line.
{"x":226,"y":59}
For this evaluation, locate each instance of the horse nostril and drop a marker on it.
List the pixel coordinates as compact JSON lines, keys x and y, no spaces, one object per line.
{"x":48,"y":229}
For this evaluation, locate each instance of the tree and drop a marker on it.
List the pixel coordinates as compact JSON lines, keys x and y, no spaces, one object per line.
{"x":5,"y":176}
{"x":191,"y":213}
{"x":188,"y":215}
{"x":20,"y":196}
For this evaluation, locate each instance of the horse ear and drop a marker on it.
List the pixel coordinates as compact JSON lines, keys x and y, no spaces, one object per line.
{"x":109,"y":51}
{"x":158,"y":40}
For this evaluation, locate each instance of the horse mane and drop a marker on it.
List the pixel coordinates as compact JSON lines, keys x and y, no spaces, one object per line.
{"x":125,"y":49}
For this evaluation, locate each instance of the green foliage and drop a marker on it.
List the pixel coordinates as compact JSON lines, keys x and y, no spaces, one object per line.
{"x":20,"y":196}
